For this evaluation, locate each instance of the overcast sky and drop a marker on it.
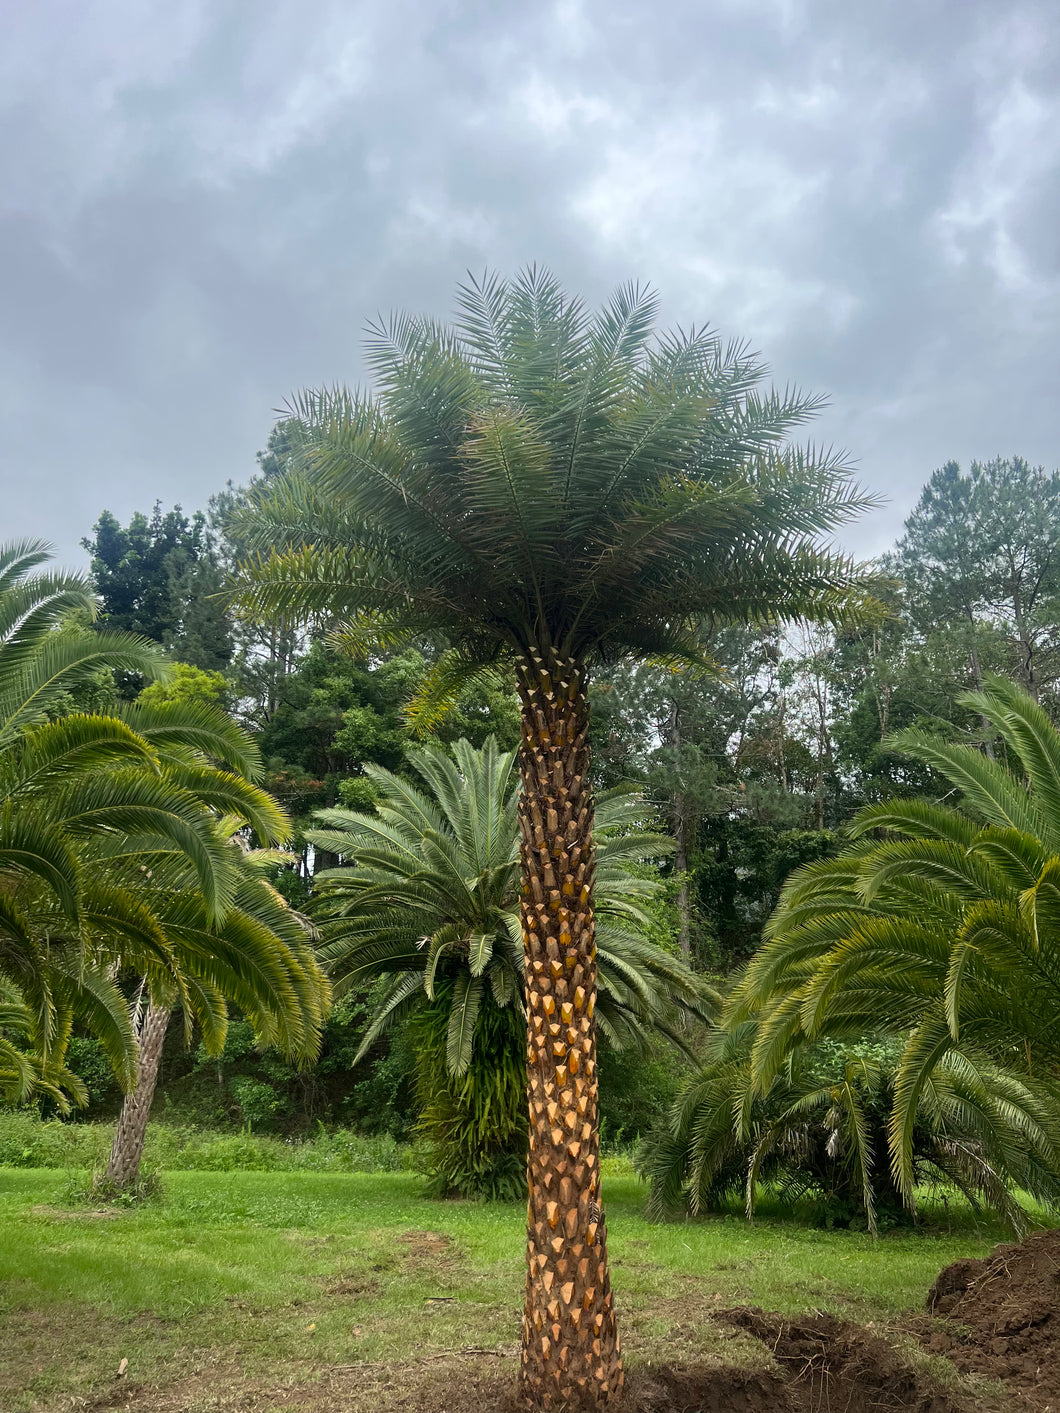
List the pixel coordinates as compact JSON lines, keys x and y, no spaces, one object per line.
{"x":202,"y":202}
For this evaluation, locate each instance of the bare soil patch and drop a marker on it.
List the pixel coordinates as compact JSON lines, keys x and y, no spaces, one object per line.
{"x":990,"y":1341}
{"x":426,"y":1243}
{"x":1000,"y":1318}
{"x":813,"y":1365}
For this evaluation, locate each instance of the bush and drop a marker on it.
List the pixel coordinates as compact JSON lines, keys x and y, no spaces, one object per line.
{"x":818,"y":1135}
{"x":636,"y":1091}
{"x":27,"y":1141}
{"x":474,"y":1125}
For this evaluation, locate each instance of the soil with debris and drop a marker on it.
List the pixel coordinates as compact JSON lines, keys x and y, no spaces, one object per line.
{"x":816,"y":1364}
{"x":1000,"y":1318}
{"x":989,"y":1342}
{"x":821,"y":1365}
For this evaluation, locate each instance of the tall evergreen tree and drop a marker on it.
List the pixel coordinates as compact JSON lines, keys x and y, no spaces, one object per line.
{"x":981,"y":553}
{"x":159,"y":577}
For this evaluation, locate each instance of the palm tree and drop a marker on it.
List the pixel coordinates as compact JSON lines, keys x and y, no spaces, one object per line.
{"x":550,"y":489}
{"x":66,"y":780}
{"x":819,"y":1128}
{"x":940,"y":922}
{"x":116,"y":852}
{"x":431,"y":907}
{"x":258,"y":955}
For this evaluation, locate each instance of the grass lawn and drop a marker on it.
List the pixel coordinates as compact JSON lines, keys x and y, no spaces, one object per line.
{"x":283,"y":1281}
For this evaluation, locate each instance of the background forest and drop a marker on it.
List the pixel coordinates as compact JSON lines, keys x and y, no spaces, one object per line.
{"x":751,"y":773}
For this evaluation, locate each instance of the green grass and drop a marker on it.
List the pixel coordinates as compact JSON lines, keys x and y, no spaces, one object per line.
{"x":281,"y":1275}
{"x":27,"y":1141}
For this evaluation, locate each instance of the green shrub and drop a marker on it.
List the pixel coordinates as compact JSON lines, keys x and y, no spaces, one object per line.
{"x":347,"y":1152}
{"x":27,"y":1141}
{"x":240,"y":1152}
{"x":637,"y":1091}
{"x":474,"y":1125}
{"x":817,"y":1135}
{"x":258,"y":1102}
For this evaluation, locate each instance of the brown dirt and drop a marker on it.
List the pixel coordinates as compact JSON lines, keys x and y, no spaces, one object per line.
{"x":1000,"y":1318}
{"x":814,"y":1365}
{"x":426,"y":1243}
{"x":989,"y":1343}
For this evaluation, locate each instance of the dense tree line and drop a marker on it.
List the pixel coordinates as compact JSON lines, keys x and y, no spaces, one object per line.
{"x":753,"y":771}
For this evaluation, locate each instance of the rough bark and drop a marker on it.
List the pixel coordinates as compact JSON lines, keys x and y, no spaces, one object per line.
{"x":684,"y":930}
{"x":123,"y":1167}
{"x":977,"y":672}
{"x":570,"y":1356}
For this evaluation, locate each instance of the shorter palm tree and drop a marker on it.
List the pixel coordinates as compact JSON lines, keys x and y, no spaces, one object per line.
{"x":818,"y":1131}
{"x":69,"y":782}
{"x":427,"y":910}
{"x":941,"y":922}
{"x":259,"y":955}
{"x":117,"y":854}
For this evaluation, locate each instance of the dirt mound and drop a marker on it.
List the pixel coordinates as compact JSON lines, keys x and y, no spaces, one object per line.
{"x":1002,"y":1317}
{"x":823,"y":1365}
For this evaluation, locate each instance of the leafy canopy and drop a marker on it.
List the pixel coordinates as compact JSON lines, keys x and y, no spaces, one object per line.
{"x":536,"y":477}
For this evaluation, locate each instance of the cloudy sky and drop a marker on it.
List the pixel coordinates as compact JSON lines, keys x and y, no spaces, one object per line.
{"x":203,"y":201}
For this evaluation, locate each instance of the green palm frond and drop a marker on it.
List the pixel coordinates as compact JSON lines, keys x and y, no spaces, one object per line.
{"x":539,"y":475}
{"x":942,"y":924}
{"x":430,"y":886}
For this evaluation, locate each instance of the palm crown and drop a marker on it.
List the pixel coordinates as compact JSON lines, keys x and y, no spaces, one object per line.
{"x":536,"y":478}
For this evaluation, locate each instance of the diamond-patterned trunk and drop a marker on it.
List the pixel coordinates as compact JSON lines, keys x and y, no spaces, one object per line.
{"x":570,"y":1355}
{"x":127,"y":1150}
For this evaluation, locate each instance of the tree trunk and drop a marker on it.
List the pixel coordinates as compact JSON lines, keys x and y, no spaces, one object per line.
{"x":123,"y":1167}
{"x":684,"y":927}
{"x":570,"y":1355}
{"x":1024,"y":645}
{"x":977,"y":672}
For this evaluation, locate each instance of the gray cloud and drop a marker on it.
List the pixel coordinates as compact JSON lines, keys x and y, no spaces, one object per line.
{"x":202,"y":203}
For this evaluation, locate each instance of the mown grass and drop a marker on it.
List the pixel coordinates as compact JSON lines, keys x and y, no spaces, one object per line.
{"x":289,"y":1274}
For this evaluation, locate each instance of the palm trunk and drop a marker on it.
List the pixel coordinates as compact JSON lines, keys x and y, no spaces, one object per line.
{"x":123,"y":1167}
{"x":684,"y":929}
{"x":570,"y":1355}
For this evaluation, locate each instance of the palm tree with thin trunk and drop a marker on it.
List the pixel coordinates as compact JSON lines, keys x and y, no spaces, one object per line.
{"x":255,"y":952}
{"x":550,"y":489}
{"x":259,"y":955}
{"x":71,"y":784}
{"x":117,"y":854}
